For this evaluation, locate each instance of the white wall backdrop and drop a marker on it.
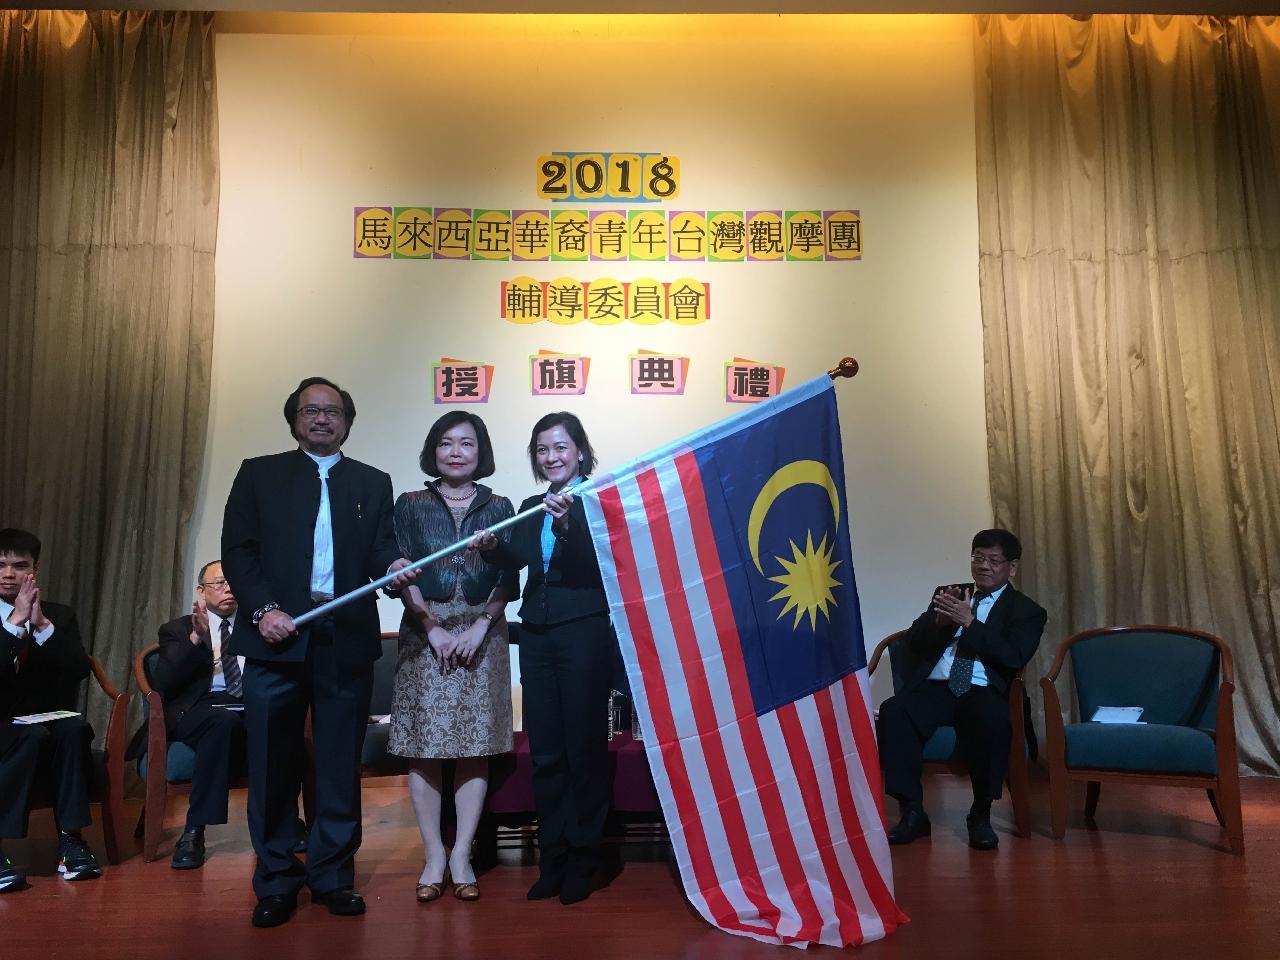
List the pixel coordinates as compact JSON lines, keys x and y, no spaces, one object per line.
{"x":872,"y":113}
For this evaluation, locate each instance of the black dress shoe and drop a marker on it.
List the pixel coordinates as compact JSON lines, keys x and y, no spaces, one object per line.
{"x":547,"y":886}
{"x":274,"y":910}
{"x":188,"y":854}
{"x":981,"y":836}
{"x":913,"y":825}
{"x":341,"y":903}
{"x":575,"y":889}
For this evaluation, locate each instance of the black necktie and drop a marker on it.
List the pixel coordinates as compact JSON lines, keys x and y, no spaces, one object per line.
{"x":960,"y":679}
{"x":230,"y":664}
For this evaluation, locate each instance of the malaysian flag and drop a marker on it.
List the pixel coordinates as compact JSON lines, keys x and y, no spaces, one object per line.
{"x":727,"y":564}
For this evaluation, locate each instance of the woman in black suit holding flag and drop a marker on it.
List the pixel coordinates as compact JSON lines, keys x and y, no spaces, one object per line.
{"x":567,"y":650}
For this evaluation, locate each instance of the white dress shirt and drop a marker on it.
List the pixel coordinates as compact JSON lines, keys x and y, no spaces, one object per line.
{"x":322,"y":540}
{"x":942,"y":669}
{"x":219,"y":682}
{"x":20,"y":630}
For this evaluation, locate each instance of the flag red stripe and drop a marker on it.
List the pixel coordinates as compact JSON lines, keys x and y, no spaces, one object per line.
{"x":811,"y":793}
{"x":872,"y":879}
{"x":762,"y":772}
{"x":864,"y":737}
{"x":722,"y":783}
{"x":722,"y":911}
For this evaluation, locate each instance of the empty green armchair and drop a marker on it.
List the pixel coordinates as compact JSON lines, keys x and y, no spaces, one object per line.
{"x":1183,"y":681}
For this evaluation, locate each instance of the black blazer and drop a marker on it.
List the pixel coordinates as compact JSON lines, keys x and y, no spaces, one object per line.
{"x":1004,"y":644}
{"x":571,"y":587}
{"x":267,"y":534}
{"x":183,"y":670}
{"x":51,"y":677}
{"x":181,"y":674}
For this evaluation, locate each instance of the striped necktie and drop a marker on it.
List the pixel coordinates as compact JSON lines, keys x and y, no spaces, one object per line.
{"x":960,"y":679}
{"x":230,"y":663}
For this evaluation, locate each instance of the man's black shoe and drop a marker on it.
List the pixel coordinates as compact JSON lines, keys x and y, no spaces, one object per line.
{"x":274,"y":910}
{"x":546,"y":886}
{"x":913,"y":825}
{"x":575,"y":889}
{"x":341,"y":903}
{"x":188,"y":854}
{"x":11,"y":878}
{"x":981,"y":836}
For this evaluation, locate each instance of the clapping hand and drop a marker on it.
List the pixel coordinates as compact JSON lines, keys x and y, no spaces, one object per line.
{"x":26,"y":602}
{"x":951,"y":606}
{"x":199,"y":623}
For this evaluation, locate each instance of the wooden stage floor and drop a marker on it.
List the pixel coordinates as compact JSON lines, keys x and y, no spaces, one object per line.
{"x":1151,"y":880}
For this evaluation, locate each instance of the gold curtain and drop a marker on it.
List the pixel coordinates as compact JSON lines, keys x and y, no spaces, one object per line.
{"x":108,"y":216}
{"x":1129,"y":219}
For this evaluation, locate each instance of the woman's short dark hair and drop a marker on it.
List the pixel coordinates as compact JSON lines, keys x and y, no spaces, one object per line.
{"x":291,"y":405}
{"x":484,"y":462}
{"x":573,"y":427}
{"x":999,"y":539}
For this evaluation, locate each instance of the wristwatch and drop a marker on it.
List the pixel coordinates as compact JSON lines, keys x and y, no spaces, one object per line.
{"x":262,"y":612}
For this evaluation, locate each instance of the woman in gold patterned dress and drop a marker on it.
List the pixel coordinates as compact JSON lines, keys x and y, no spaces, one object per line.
{"x":452,"y":695}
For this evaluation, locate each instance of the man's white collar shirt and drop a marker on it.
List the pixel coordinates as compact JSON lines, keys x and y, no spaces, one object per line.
{"x":322,"y":540}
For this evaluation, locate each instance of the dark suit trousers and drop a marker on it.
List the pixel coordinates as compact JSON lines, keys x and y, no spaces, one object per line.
{"x":565,"y":671}
{"x":908,"y":720}
{"x":62,"y":747}
{"x":217,"y":736}
{"x":277,"y":697}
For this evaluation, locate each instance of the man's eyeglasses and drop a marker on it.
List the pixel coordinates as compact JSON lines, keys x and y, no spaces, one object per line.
{"x":220,"y":583}
{"x":311,"y":411}
{"x":980,"y":560}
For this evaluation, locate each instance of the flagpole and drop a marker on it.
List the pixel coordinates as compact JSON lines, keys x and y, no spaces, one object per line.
{"x":373,"y":585}
{"x":847,"y":367}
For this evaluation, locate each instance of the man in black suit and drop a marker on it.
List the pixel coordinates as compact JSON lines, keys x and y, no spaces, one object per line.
{"x":961,"y":655}
{"x":42,"y":664}
{"x":300,"y":528}
{"x":200,"y":678}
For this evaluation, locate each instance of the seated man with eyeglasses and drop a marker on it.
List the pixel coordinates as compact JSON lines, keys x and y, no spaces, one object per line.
{"x":961,"y":655}
{"x":199,"y":676}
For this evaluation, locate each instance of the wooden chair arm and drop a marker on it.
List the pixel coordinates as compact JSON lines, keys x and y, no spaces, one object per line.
{"x":1224,"y":733}
{"x":107,"y":686}
{"x":113,"y":756}
{"x":140,"y":670}
{"x":880,"y":649}
{"x":1055,"y":734}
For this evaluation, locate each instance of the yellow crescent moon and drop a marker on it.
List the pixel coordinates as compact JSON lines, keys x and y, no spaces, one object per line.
{"x":791,"y":475}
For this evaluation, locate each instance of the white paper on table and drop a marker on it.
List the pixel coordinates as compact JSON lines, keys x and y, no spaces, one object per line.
{"x":45,"y":717}
{"x":1117,"y":715}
